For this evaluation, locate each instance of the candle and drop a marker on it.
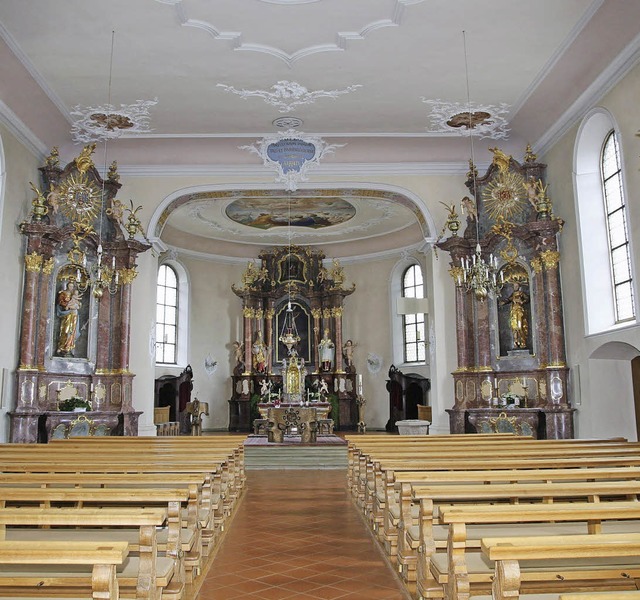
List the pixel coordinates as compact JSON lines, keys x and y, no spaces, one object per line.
{"x":524,"y":382}
{"x":113,"y":262}
{"x":360,"y":385}
{"x":91,"y":388}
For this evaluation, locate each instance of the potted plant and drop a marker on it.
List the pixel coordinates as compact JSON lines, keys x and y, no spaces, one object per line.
{"x":74,"y":404}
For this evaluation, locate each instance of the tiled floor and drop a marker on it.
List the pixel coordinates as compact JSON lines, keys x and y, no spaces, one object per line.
{"x":297,"y":535}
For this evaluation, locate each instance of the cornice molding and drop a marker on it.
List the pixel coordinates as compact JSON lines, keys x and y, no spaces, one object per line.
{"x":557,"y":55}
{"x":21,"y":132}
{"x":619,"y":67}
{"x":332,"y":169}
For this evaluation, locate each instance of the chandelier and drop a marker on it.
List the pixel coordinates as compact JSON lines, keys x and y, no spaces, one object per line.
{"x":478,"y":275}
{"x":289,"y":334}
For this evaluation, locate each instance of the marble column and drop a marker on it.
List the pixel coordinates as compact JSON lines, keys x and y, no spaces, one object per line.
{"x":316,"y":313}
{"x":550,"y":260}
{"x":539,"y":304}
{"x":247,"y":312}
{"x":33,"y":267}
{"x":268,"y":328}
{"x":483,"y":334}
{"x":337,"y":315}
{"x":125,"y":319}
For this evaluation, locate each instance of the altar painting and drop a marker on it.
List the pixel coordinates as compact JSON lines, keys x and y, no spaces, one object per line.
{"x":315,"y":213}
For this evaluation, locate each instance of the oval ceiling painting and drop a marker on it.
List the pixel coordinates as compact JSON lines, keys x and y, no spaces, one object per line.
{"x":315,"y":213}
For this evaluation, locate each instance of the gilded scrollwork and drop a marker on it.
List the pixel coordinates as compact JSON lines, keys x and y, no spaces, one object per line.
{"x":550,"y":259}
{"x":47,"y":266}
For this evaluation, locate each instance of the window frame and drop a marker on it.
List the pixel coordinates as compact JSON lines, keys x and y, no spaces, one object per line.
{"x":164,"y":324}
{"x":616,"y":174}
{"x":411,"y":322}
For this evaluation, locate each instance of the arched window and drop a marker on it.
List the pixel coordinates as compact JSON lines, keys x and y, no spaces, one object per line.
{"x":606,"y":256}
{"x":167,"y":316}
{"x":618,"y":237}
{"x":413,"y":322}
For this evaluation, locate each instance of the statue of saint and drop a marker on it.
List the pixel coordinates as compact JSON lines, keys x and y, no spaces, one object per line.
{"x":259,"y":350}
{"x":347,"y":352}
{"x":67,"y":306}
{"x":517,"y":316}
{"x":326,"y":350}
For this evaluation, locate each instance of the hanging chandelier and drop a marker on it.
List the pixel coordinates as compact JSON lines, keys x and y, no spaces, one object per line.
{"x":289,"y":334}
{"x":478,"y":275}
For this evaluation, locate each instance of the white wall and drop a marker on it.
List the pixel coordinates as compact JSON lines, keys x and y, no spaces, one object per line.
{"x":20,"y":167}
{"x":605,"y":407}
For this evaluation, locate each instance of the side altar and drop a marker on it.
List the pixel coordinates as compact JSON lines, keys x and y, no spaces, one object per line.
{"x":512,"y":373}
{"x":293,"y":349}
{"x":76,"y":305}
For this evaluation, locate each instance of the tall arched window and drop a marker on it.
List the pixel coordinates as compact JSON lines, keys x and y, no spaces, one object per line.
{"x":413,"y":323}
{"x":167,"y":316}
{"x":618,"y":237}
{"x":606,"y":255}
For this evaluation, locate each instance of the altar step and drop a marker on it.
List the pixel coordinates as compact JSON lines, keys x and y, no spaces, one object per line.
{"x":295,"y":457}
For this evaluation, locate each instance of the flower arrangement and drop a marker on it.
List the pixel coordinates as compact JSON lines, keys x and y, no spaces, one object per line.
{"x":510,"y":398}
{"x":71,"y":404}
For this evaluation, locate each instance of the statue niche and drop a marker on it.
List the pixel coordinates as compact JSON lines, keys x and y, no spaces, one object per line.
{"x":514,"y":311}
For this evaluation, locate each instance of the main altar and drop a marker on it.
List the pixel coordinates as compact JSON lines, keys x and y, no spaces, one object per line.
{"x":293,"y":350}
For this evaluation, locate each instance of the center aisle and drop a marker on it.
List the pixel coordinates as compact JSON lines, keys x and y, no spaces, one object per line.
{"x":297,"y":535}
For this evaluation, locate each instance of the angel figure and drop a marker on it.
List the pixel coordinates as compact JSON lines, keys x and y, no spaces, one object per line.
{"x":532,"y":191}
{"x":500,"y":159}
{"x":238,"y":351}
{"x":469,"y":206}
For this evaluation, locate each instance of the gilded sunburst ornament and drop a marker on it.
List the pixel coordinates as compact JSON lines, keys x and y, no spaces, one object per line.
{"x":504,"y":196}
{"x":78,"y":198}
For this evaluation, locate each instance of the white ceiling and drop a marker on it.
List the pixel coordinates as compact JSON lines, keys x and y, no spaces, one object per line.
{"x":537,"y":58}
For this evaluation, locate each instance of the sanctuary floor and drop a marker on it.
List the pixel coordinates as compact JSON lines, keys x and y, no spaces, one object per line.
{"x":297,"y":535}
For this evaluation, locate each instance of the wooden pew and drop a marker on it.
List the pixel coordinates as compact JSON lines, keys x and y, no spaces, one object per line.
{"x":583,"y":560}
{"x":101,"y":557}
{"x":426,"y":533}
{"x":145,"y":576}
{"x":462,"y":571}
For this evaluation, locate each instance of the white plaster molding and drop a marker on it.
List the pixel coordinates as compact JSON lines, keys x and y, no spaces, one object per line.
{"x":286,"y":95}
{"x":617,"y":69}
{"x":38,"y":78}
{"x":342,"y":37}
{"x":130,"y":118}
{"x":22,"y":133}
{"x":330,"y":169}
{"x":293,"y":176}
{"x":557,"y":55}
{"x":495,"y":128}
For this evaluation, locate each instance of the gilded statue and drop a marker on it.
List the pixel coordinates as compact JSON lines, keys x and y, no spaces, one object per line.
{"x":517,"y":316}
{"x":259,"y":351}
{"x":67,"y":306}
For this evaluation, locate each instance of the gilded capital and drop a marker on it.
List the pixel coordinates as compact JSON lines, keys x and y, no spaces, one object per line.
{"x":326,"y":313}
{"x":316,"y":313}
{"x":128,"y":275}
{"x":336,"y":312}
{"x":47,"y":266}
{"x":259,"y":313}
{"x":248,"y":312}
{"x":550,"y":258}
{"x":456,"y":274}
{"x":33,"y":262}
{"x":269,"y":313}
{"x":536,"y":264}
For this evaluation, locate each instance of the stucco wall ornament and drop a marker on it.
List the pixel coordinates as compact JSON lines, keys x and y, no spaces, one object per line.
{"x":286,"y":95}
{"x":291,"y":153}
{"x":487,"y":120}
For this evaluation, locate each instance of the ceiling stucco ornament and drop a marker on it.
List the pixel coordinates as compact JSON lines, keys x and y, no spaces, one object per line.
{"x":342,"y":37}
{"x":291,"y":154}
{"x":286,"y":95}
{"x":287,"y":122}
{"x":482,"y":120}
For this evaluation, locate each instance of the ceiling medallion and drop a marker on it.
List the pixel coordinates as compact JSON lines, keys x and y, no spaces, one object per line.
{"x":483,"y":120}
{"x":98,"y":123}
{"x":286,"y":95}
{"x":287,"y":122}
{"x":291,"y":153}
